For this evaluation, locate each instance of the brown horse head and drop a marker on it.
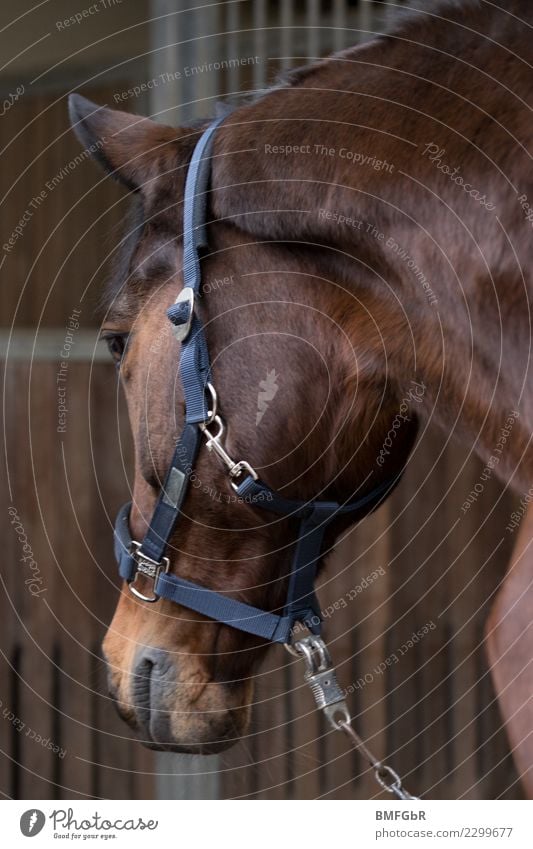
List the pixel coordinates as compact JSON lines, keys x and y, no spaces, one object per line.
{"x":300,"y":367}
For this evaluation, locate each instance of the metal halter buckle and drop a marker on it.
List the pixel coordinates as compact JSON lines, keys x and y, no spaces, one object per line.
{"x":148,"y":568}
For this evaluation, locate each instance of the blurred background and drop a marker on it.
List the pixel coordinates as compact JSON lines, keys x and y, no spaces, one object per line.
{"x":420,"y":563}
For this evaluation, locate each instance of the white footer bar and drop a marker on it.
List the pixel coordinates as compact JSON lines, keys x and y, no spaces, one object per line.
{"x":232,"y":825}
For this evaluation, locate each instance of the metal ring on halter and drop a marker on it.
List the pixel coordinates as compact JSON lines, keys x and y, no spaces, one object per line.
{"x":295,"y":648}
{"x":211,"y":414}
{"x":306,"y":653}
{"x":204,"y":426}
{"x":238,"y":469}
{"x":311,"y":648}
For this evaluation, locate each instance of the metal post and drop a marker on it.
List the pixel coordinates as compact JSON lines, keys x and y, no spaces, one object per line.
{"x":232,"y":39}
{"x":287,"y":35}
{"x":167,"y":55}
{"x":260,"y":43}
{"x":313,"y":31}
{"x":366,"y":20}
{"x":339,"y":23}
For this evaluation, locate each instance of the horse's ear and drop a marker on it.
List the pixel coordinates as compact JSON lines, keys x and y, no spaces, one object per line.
{"x":127,"y":146}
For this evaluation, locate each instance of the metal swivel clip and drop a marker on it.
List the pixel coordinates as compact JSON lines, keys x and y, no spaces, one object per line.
{"x":322,"y":679}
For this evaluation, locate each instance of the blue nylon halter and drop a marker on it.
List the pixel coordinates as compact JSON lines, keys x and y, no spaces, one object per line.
{"x":148,"y":558}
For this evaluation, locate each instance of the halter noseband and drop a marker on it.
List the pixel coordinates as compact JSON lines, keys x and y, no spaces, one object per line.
{"x":201,"y":420}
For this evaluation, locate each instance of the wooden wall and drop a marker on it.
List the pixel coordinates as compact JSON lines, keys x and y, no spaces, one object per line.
{"x":65,"y":489}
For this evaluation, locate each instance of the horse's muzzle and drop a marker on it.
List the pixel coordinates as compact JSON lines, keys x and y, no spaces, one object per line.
{"x":172,"y":709}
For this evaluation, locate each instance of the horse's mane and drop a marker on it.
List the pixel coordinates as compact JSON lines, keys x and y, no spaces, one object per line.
{"x":419,"y":21}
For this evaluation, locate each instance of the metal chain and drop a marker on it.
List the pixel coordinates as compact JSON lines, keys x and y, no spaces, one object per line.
{"x":385,"y":776}
{"x":321,"y":676}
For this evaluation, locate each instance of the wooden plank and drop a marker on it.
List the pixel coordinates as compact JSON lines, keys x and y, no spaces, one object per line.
{"x":36,"y":690}
{"x":271,"y":746}
{"x":74,"y":597}
{"x":414,"y":700}
{"x":12,"y":589}
{"x":237,"y":769}
{"x":307,"y":737}
{"x":370,"y":721}
{"x":479,"y":556}
{"x":354,"y":559}
{"x":463,"y":552}
{"x":432,"y":653}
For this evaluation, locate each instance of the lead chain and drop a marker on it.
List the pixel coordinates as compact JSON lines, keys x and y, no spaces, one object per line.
{"x":321,"y":677}
{"x":385,"y":776}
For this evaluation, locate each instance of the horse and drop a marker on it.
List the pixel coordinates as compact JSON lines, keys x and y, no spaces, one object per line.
{"x":369,"y":229}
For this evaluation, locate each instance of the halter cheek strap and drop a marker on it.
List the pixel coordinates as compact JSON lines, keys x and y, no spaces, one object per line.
{"x":148,"y":559}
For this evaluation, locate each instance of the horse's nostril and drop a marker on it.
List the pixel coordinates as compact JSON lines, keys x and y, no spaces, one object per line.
{"x":152,"y":682}
{"x":151,"y":671}
{"x":151,"y":662}
{"x":140,"y":685}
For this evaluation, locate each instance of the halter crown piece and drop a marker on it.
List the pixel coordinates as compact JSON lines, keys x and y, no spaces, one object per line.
{"x":202,"y":421}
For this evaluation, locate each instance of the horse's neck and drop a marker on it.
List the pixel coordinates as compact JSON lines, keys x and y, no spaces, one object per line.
{"x":472,"y":356}
{"x":452,"y":309}
{"x":413,"y":215}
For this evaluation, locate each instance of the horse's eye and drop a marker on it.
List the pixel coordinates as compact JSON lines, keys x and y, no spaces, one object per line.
{"x":116,"y":343}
